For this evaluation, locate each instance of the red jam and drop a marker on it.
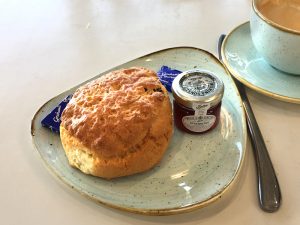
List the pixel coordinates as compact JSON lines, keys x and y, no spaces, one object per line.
{"x":197,"y":101}
{"x":181,"y":111}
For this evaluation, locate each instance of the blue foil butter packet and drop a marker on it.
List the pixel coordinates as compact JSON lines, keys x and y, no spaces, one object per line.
{"x":166,"y":76}
{"x":52,"y":120}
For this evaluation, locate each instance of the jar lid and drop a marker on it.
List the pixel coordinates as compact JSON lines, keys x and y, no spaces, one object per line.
{"x":197,"y":86}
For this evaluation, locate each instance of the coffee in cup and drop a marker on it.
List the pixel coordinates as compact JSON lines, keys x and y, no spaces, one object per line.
{"x":285,"y":13}
{"x":275,"y":32}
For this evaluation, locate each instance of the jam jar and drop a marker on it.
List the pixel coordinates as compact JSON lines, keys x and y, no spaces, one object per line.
{"x":197,"y":100}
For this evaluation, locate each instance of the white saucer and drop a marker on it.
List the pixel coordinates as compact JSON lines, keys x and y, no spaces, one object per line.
{"x":246,"y":65}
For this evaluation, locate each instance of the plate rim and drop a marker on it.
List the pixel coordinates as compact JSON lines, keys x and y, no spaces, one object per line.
{"x":237,"y":75}
{"x":144,"y":211}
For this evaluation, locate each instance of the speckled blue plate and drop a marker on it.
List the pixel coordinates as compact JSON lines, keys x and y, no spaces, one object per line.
{"x":196,"y":169}
{"x":248,"y":66}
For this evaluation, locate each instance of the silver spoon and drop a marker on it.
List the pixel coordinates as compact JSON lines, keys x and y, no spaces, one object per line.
{"x":268,"y":187}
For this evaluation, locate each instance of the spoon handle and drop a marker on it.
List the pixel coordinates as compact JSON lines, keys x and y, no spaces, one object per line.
{"x":268,"y":187}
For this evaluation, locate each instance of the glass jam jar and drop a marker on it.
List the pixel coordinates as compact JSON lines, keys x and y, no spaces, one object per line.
{"x":197,"y":100}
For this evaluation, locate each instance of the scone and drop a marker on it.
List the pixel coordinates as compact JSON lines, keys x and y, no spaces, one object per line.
{"x":117,"y":125}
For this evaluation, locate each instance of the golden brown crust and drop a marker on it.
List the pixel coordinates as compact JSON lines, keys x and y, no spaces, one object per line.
{"x":122,"y":119}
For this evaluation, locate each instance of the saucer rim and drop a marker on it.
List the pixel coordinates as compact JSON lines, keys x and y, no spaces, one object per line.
{"x":240,"y":78}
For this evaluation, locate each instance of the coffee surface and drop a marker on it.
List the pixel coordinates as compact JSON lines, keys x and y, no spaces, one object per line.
{"x":283,"y":12}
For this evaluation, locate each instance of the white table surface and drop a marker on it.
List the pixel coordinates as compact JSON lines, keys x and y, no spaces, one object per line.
{"x":49,"y":46}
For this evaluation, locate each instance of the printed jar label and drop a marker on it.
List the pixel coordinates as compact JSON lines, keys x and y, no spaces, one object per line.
{"x":200,"y":121}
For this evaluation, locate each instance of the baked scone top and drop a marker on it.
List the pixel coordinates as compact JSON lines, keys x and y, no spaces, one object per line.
{"x":113,"y":114}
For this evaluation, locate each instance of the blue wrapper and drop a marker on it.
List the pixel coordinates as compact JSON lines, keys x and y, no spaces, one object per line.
{"x":166,"y":76}
{"x":52,"y":121}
